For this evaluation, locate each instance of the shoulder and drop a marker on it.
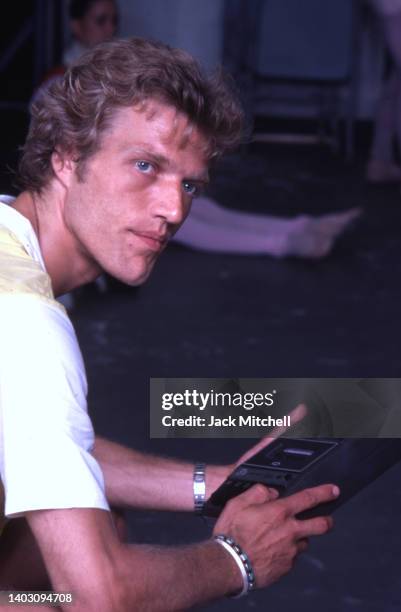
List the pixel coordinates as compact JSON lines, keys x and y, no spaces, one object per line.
{"x":22,"y":269}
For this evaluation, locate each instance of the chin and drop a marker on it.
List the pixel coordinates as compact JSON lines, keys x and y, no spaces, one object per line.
{"x":131,"y":271}
{"x":132,"y":278}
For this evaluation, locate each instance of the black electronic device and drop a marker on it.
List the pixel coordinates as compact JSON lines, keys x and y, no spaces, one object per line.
{"x":290,"y":465}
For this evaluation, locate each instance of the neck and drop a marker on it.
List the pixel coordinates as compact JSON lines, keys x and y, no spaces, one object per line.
{"x":66,"y":263}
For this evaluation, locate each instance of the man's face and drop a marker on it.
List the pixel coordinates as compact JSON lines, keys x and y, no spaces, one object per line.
{"x":135,"y":191}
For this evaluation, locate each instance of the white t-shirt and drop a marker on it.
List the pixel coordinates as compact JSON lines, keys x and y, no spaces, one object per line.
{"x":46,"y":435}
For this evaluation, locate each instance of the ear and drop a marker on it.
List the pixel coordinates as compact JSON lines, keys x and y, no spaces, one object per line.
{"x":64,"y":167}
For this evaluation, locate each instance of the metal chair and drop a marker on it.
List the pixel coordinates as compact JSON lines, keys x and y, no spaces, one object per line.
{"x":302,"y":54}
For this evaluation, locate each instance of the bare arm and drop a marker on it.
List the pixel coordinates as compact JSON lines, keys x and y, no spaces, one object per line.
{"x":138,"y":480}
{"x":83,"y":554}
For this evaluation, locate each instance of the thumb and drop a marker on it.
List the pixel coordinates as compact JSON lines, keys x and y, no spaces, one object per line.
{"x":257,"y":494}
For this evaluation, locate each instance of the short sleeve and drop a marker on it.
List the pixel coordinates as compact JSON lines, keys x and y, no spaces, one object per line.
{"x":46,"y":435}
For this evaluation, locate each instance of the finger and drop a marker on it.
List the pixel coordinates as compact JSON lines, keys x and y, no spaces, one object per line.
{"x":295,"y":416}
{"x":309,"y":498}
{"x":315,"y":526}
{"x":257,"y":494}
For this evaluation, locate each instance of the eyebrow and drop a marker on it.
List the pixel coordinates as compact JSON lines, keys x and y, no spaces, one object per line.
{"x":162,"y":160}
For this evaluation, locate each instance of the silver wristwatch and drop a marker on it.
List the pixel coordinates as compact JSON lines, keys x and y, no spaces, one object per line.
{"x":199,"y":487}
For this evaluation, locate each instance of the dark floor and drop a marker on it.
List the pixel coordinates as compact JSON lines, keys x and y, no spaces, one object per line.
{"x":227,"y":316}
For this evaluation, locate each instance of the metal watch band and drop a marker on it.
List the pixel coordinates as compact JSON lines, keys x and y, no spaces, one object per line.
{"x":199,"y":486}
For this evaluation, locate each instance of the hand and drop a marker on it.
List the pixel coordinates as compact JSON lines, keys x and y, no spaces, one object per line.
{"x":216,"y":475}
{"x":267,"y":528}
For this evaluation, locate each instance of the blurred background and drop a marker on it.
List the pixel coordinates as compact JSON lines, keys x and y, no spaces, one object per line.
{"x":318,"y":80}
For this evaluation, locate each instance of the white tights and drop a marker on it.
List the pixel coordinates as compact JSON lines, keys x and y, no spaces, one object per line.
{"x":211,"y":227}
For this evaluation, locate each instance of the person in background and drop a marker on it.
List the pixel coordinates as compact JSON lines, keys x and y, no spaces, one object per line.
{"x":92,"y":22}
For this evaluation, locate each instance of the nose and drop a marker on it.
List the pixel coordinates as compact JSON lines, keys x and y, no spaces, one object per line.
{"x":171,"y":204}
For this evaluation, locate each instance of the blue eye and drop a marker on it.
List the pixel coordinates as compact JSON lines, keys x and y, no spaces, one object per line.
{"x":190,"y":188}
{"x":144,"y":166}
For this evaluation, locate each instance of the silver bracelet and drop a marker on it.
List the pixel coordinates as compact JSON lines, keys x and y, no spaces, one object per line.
{"x":242,"y":561}
{"x":199,"y":485}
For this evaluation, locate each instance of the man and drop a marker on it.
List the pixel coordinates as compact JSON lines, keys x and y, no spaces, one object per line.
{"x":115,"y":154}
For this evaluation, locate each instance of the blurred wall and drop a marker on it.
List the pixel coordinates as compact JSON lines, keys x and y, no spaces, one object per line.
{"x":194,"y":25}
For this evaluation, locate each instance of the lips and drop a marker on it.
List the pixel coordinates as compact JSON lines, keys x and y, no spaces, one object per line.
{"x":156,"y":242}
